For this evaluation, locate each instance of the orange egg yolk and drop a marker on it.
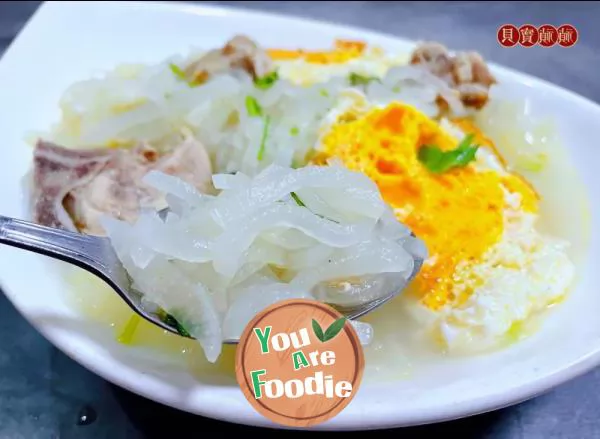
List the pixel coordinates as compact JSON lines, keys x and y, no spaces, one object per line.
{"x":459,"y":214}
{"x":344,"y":51}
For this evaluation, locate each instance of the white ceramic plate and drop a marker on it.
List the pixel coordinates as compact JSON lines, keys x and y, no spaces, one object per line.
{"x":65,"y":42}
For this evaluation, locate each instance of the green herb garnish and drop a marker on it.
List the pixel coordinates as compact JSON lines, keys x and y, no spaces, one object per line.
{"x":331,"y":332}
{"x":263,"y":140}
{"x":126,"y":336}
{"x":253,"y":107}
{"x":177,"y":71}
{"x":300,"y":203}
{"x":267,"y":81}
{"x":172,"y":321}
{"x":438,"y":161}
{"x":181,"y":75}
{"x":294,"y":131}
{"x":358,"y":79}
{"x":297,"y":199}
{"x":324,"y":93}
{"x":396,"y":89}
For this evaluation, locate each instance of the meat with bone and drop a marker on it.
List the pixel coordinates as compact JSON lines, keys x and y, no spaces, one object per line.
{"x":74,"y":188}
{"x":466,"y":72}
{"x":239,"y":53}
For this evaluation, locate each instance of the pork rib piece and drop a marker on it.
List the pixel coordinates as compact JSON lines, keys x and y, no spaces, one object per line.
{"x":73,"y":188}
{"x":465,"y":72}
{"x":239,"y":53}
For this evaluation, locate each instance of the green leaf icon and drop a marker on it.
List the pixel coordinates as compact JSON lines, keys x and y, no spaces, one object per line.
{"x":317,"y":330}
{"x":334,"y":329}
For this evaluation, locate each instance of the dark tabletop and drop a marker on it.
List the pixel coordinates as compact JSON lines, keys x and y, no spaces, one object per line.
{"x":43,"y":394}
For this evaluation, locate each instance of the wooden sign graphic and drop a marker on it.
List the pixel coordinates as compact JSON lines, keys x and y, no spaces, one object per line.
{"x":299,"y":362}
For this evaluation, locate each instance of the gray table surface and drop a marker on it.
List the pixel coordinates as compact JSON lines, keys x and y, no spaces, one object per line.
{"x":43,"y":393}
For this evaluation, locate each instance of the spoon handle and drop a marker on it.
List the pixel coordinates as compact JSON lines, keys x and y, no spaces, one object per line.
{"x":82,"y":250}
{"x":92,"y":253}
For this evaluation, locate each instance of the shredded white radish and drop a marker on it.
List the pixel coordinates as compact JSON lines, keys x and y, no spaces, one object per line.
{"x":321,"y":233}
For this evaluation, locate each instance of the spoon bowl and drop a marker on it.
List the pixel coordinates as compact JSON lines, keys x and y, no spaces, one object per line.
{"x":96,"y":255}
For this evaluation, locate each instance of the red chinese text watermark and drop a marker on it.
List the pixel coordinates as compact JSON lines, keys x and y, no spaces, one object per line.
{"x":508,"y":35}
{"x":545,"y":35}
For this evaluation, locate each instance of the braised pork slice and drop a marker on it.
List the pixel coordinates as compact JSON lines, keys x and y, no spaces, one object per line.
{"x":466,"y":72}
{"x":73,"y":189}
{"x":239,"y":53}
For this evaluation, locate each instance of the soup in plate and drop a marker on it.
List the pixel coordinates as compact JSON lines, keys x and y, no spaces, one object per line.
{"x":312,"y":174}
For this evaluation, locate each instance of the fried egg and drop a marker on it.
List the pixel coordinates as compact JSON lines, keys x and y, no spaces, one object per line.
{"x":305,"y":67}
{"x":489,"y":268}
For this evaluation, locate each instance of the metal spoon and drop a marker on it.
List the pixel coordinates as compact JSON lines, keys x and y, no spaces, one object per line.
{"x":96,"y":255}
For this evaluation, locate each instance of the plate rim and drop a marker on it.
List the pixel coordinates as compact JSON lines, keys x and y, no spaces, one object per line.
{"x":391,"y":419}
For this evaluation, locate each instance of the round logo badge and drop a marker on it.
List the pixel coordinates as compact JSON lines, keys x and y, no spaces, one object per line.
{"x":548,"y":35}
{"x":299,"y":362}
{"x":508,"y":35}
{"x":567,"y":35}
{"x":528,"y":35}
